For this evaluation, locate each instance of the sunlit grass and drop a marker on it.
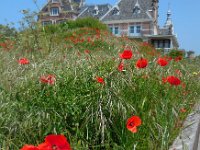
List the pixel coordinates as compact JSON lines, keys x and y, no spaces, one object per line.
{"x":90,"y":114}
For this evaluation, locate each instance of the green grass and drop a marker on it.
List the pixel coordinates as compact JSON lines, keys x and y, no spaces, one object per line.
{"x":91,"y":115}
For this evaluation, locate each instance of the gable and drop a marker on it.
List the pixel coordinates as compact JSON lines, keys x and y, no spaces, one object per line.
{"x":65,"y":5}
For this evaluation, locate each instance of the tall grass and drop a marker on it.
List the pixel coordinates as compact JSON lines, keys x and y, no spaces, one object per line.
{"x":90,"y":114}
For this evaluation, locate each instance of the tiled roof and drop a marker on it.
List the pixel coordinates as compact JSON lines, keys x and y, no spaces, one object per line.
{"x":96,"y":11}
{"x":66,"y":5}
{"x":45,"y":8}
{"x":126,"y":10}
{"x":166,"y":31}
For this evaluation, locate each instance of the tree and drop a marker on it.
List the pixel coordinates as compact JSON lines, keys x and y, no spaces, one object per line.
{"x":7,"y":31}
{"x":190,"y":53}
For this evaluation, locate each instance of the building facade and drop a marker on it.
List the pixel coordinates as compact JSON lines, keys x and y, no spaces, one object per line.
{"x":132,"y":18}
{"x":56,"y":11}
{"x":139,"y":19}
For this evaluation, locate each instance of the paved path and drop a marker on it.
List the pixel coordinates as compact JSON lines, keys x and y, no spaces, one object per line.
{"x":198,"y":139}
{"x":199,"y":143}
{"x":189,"y":138}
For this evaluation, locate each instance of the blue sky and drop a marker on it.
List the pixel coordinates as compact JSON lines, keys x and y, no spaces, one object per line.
{"x":186,"y":17}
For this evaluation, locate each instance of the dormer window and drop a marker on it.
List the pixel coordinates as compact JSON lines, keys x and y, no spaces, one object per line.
{"x":96,"y":10}
{"x":136,"y":10}
{"x":54,"y":11}
{"x":115,"y":11}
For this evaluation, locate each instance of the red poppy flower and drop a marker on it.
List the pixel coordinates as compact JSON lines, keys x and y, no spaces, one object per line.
{"x":183,"y":85}
{"x":142,"y":63}
{"x":89,"y":39}
{"x":23,"y":61}
{"x":145,"y":44}
{"x":133,"y":123}
{"x":162,"y":62}
{"x":183,"y":110}
{"x":172,"y":80}
{"x":178,"y":72}
{"x":55,"y":142}
{"x":168,"y":58}
{"x":49,"y":79}
{"x":100,"y":80}
{"x":178,"y":58}
{"x":87,"y":51}
{"x":29,"y":147}
{"x":127,"y":54}
{"x":185,"y":93}
{"x":121,"y":66}
{"x":164,"y":80}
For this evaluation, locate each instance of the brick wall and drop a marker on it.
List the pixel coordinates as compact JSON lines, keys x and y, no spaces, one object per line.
{"x":124,"y":27}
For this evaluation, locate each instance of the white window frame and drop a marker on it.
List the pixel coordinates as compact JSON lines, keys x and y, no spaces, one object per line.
{"x":44,"y":23}
{"x":138,"y":30}
{"x":136,"y":10}
{"x":53,"y":11}
{"x":116,"y":13}
{"x":95,"y":12}
{"x":135,"y":33}
{"x":131,"y":26}
{"x":54,"y":1}
{"x":53,"y":21}
{"x":113,"y":29}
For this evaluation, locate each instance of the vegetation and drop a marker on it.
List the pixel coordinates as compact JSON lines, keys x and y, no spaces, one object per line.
{"x":176,"y":53}
{"x":84,"y":83}
{"x":85,"y":22}
{"x":7,"y":31}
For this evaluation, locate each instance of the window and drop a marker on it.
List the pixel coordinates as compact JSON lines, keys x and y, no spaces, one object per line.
{"x":136,"y":10}
{"x":132,"y":28}
{"x":54,"y":1}
{"x":156,"y":44}
{"x":167,"y":44}
{"x":53,"y":21}
{"x":116,"y":30}
{"x":111,"y":29}
{"x":96,"y":10}
{"x":138,"y":29}
{"x":160,"y":44}
{"x":54,"y":11}
{"x":115,"y":11}
{"x":44,"y":23}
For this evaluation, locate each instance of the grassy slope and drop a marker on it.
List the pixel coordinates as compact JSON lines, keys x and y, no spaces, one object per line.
{"x":89,"y":114}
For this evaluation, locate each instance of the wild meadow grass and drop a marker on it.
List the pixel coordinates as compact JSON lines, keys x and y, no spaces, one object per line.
{"x":91,"y":115}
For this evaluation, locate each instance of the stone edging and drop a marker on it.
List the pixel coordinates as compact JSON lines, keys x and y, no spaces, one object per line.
{"x":190,"y":135}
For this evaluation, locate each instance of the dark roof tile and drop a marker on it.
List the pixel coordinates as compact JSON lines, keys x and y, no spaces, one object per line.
{"x":89,"y":11}
{"x":126,"y":8}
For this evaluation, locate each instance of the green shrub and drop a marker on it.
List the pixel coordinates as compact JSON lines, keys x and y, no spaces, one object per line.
{"x":176,"y":53}
{"x":85,"y":22}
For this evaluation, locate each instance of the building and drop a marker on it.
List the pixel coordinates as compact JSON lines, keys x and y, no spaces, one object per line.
{"x":56,"y":11}
{"x":139,"y":19}
{"x":132,"y":18}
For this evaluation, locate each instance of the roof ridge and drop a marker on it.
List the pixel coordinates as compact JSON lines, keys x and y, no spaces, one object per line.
{"x":110,"y":9}
{"x":83,"y":11}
